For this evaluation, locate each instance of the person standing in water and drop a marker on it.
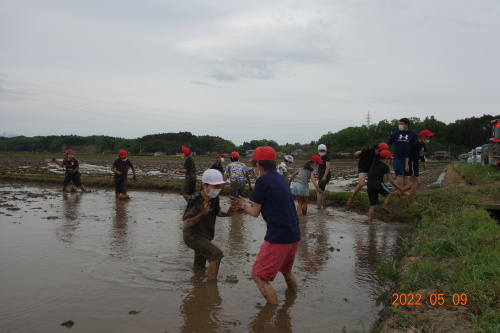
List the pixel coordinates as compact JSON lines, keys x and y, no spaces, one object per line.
{"x":324,"y":174}
{"x":72,"y":172}
{"x":273,"y":199}
{"x":189,"y":169}
{"x":120,"y":169}
{"x":198,"y":223}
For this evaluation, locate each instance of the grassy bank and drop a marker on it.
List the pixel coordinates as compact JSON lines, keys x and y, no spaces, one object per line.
{"x":451,"y":263}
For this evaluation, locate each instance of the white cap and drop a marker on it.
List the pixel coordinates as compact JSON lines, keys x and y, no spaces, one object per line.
{"x":321,"y":147}
{"x":212,"y":177}
{"x":289,"y":158}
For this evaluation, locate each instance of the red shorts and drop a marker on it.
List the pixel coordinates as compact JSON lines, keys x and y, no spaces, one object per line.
{"x":274,"y":258}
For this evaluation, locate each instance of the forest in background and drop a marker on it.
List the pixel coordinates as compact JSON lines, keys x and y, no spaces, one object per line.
{"x":458,"y":137}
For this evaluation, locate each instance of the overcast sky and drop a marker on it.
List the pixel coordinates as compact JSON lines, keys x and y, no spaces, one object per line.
{"x":290,"y":71}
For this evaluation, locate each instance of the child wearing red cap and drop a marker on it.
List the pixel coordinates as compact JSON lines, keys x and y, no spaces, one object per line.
{"x":272,"y":198}
{"x":237,"y":173}
{"x":412,"y":163}
{"x":300,"y":187}
{"x":72,"y":172}
{"x":366,"y":157}
{"x":189,"y":169}
{"x":120,"y":169}
{"x":376,"y":184}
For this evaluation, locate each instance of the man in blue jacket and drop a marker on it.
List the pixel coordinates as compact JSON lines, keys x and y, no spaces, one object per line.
{"x":403,"y":139}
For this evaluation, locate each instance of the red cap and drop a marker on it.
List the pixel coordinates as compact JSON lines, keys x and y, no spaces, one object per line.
{"x":69,"y":151}
{"x":265,"y":153}
{"x":234,"y":154}
{"x":317,"y":159}
{"x":122,"y":154}
{"x":383,"y":146}
{"x":426,"y":133}
{"x":386,"y":153}
{"x":219,"y":155}
{"x":186,"y":151}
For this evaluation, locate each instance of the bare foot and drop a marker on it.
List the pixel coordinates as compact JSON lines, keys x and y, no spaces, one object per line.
{"x":414,"y":203}
{"x":349,"y":201}
{"x":386,"y":210}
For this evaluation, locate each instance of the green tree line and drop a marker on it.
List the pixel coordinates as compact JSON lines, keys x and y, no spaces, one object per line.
{"x":457,"y":137}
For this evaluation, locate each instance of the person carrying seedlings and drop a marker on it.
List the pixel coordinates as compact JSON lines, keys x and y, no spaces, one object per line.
{"x":72,"y":172}
{"x":272,"y":198}
{"x":120,"y":169}
{"x":412,"y":163}
{"x":237,"y":173}
{"x":376,"y":186}
{"x":189,"y":169}
{"x":300,"y":187}
{"x":198,"y":223}
{"x":366,"y":156}
{"x":283,"y":166}
{"x":324,"y":174}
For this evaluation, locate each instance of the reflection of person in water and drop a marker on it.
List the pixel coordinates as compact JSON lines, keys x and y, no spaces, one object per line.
{"x":120,"y":227}
{"x":201,"y":307}
{"x":199,"y":222}
{"x":271,"y":318}
{"x":71,"y":206}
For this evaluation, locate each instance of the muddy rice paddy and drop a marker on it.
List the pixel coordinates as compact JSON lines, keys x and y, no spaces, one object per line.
{"x":89,"y":263}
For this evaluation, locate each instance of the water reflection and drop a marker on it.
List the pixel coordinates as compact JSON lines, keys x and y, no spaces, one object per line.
{"x":71,"y":212}
{"x":313,"y":251}
{"x":201,"y":308}
{"x":273,"y":318}
{"x":119,"y":229}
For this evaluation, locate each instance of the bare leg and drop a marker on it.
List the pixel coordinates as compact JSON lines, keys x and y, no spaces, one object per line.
{"x":83,"y":188}
{"x":291,"y":281}
{"x":370,"y":213}
{"x":320,"y":199}
{"x":304,"y":205}
{"x":362,"y":180}
{"x":266,"y":290}
{"x":415,"y":182}
{"x":386,"y":201}
{"x":213,"y":269}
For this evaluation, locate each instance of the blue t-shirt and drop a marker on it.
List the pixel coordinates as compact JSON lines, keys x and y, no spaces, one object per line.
{"x":272,"y":191}
{"x":402,"y":142}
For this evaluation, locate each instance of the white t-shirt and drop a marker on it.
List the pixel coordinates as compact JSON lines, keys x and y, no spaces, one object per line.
{"x":282,"y":168}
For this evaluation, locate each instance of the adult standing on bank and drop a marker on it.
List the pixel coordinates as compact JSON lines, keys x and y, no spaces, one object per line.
{"x":273,"y":199}
{"x":199,"y":223}
{"x":324,"y":174}
{"x":120,"y":169}
{"x":189,"y":169}
{"x":403,"y":138}
{"x":72,"y":172}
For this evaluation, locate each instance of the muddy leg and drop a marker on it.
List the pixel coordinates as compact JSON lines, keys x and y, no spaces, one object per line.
{"x":304,"y":205}
{"x":370,"y":213}
{"x":266,"y":290}
{"x":213,"y":269}
{"x":290,"y":280}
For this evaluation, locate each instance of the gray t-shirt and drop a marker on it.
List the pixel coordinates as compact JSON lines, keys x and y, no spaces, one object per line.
{"x":304,"y":176}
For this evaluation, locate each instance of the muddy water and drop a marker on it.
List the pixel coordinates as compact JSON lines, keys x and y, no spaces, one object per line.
{"x":119,"y":266}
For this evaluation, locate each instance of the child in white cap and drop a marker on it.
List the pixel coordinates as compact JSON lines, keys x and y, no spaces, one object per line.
{"x":283,"y":166}
{"x":199,"y":222}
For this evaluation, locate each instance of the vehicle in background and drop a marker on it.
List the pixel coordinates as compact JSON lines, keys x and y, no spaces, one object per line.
{"x":469,"y":157}
{"x":477,"y":154}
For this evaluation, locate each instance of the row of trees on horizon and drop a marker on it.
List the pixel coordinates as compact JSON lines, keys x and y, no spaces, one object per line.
{"x":458,"y":137}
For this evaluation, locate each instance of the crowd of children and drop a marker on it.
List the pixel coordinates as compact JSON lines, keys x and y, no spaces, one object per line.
{"x":273,"y":196}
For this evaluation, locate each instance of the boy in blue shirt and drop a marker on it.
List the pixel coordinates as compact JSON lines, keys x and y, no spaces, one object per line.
{"x":403,"y":139}
{"x":273,"y":199}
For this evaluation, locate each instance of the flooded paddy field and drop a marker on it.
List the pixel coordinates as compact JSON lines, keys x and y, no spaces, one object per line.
{"x":102,"y":265}
{"x":344,"y":174}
